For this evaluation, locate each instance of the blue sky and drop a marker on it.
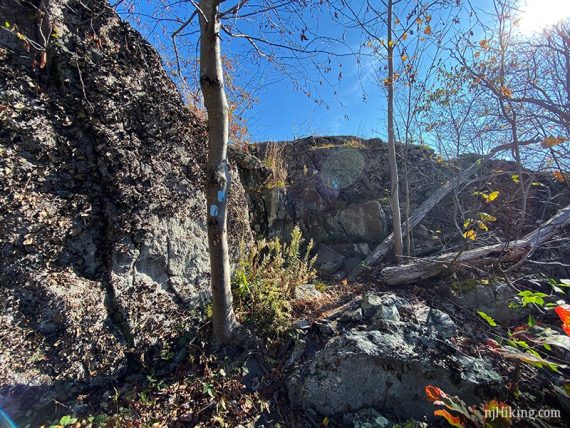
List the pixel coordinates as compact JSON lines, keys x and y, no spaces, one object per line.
{"x":283,"y":110}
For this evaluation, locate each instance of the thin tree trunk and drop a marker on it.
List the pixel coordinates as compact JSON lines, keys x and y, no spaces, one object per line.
{"x":522,"y":188}
{"x":395,"y":198}
{"x":218,"y":177}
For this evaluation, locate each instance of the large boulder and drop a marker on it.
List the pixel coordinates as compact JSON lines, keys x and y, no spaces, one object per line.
{"x":365,"y":222}
{"x":386,"y":363}
{"x":103,"y":231}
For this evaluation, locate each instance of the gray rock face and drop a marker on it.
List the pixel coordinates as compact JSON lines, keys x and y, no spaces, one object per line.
{"x":103,"y":237}
{"x":328,"y":260}
{"x":493,"y":299}
{"x":334,"y":193}
{"x":388,"y":368}
{"x":364,"y":222}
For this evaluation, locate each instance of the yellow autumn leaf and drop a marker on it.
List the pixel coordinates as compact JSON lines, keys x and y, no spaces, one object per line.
{"x":325,"y":421}
{"x":404,"y":58}
{"x":487,"y":217}
{"x":427,"y":30}
{"x":484,"y":44}
{"x":404,"y":36}
{"x":506,"y":92}
{"x":391,"y":43}
{"x":515,"y":178}
{"x":470,"y":234}
{"x":553,"y":141}
{"x":482,"y":226}
{"x":493,"y":195}
{"x":466,"y":223}
{"x":419,"y":21}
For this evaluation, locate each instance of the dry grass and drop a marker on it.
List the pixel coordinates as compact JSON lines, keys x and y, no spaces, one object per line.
{"x":352,"y":143}
{"x":332,"y":300}
{"x":274,"y":160}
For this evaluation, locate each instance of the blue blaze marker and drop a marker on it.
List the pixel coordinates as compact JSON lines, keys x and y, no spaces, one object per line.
{"x":213,"y":210}
{"x":221,"y":196}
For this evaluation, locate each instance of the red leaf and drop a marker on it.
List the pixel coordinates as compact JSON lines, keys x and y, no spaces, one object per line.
{"x":452,"y":420}
{"x":563,"y":312}
{"x":434,"y":393}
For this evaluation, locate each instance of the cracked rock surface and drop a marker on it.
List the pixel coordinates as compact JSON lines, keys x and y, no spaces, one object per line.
{"x":385,"y":360}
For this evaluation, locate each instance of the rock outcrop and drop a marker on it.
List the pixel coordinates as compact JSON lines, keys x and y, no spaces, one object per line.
{"x":337,"y":190}
{"x":386,"y":353}
{"x":102,"y":235}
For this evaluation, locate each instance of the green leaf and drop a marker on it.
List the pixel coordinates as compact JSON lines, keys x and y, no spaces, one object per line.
{"x":487,"y":318}
{"x":67,"y":420}
{"x":531,"y":321}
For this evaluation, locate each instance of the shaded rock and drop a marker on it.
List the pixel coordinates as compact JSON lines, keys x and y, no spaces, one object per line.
{"x":366,"y":418}
{"x":302,"y":324}
{"x":382,"y":306}
{"x":387,"y":371}
{"x":370,"y":304}
{"x":364,"y":222}
{"x":443,"y":324}
{"x":352,"y":316}
{"x":351,"y":263}
{"x":328,"y":260}
{"x":253,"y":173}
{"x":493,"y":299}
{"x":298,"y":350}
{"x":328,"y":328}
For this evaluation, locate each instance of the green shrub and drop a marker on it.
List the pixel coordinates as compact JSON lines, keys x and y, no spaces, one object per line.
{"x":265,"y":280}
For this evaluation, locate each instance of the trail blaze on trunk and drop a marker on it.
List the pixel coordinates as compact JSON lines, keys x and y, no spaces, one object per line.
{"x":218,"y":178}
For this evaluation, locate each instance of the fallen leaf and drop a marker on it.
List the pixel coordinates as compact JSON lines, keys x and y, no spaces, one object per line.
{"x":451,"y":420}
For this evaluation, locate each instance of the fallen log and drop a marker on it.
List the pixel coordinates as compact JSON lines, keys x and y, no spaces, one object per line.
{"x":505,"y":252}
{"x":386,"y":246}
